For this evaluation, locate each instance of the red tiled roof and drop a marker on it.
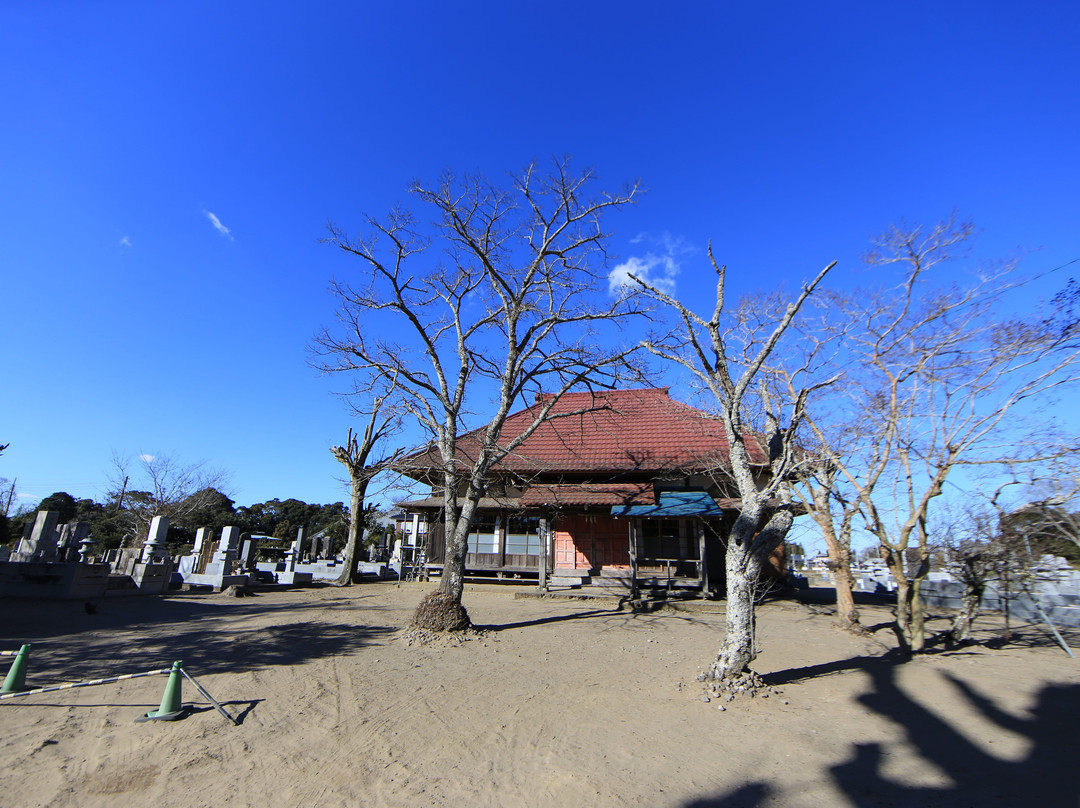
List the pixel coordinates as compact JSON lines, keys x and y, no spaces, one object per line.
{"x":624,"y":430}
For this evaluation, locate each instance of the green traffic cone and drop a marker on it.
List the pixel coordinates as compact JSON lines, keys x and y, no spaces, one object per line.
{"x":171,"y":708}
{"x":16,"y":676}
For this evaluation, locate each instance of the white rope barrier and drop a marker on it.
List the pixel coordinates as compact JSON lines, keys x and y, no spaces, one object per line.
{"x":71,"y":685}
{"x":169,"y":689}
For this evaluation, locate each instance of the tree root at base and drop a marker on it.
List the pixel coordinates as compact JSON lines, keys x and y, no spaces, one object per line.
{"x":440,"y":612}
{"x":854,"y":628}
{"x":728,"y":687}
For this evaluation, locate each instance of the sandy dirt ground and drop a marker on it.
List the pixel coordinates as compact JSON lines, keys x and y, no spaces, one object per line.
{"x":552,"y":703}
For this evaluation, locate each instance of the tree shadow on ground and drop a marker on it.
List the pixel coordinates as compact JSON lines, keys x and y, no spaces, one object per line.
{"x":1024,"y":634}
{"x":618,"y":617}
{"x":206,"y":634}
{"x":1028,"y":635}
{"x":1044,"y":776}
{"x":29,"y":620}
{"x":201,"y":649}
{"x":856,"y":663}
{"x":543,"y":621}
{"x":749,"y":795}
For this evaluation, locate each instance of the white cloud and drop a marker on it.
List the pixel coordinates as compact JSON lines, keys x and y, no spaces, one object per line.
{"x":125,"y":241}
{"x":147,"y":458}
{"x":657,"y":269}
{"x":216,"y":222}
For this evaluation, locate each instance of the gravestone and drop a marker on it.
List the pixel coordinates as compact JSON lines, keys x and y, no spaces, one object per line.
{"x":156,"y":546}
{"x":80,"y":532}
{"x":201,"y":535}
{"x":63,"y":542}
{"x":247,"y":552}
{"x":153,"y":572}
{"x":70,"y":535}
{"x":41,"y":543}
{"x":228,"y":546}
{"x":292,"y":555}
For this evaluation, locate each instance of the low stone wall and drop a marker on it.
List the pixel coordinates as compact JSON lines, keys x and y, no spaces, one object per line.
{"x":1056,"y":589}
{"x":41,"y":579}
{"x":1060,"y":599}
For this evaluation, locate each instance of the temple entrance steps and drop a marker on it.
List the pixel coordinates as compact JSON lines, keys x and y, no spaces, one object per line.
{"x":569,"y":578}
{"x":612,"y":582}
{"x":606,"y":581}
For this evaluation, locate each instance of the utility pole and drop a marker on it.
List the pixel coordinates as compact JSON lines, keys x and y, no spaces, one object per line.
{"x":10,"y":496}
{"x":120,"y":501}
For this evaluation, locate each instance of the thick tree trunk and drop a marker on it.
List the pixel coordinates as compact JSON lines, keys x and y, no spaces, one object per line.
{"x":738,"y":649}
{"x":909,"y":626}
{"x":918,"y":618}
{"x":902,"y":626}
{"x":442,"y":610}
{"x":910,"y":616}
{"x":839,"y":547}
{"x":452,"y":582}
{"x":961,"y":627}
{"x":902,"y":623}
{"x":356,"y":516}
{"x":847,"y":614}
{"x":748,"y":551}
{"x":840,"y":567}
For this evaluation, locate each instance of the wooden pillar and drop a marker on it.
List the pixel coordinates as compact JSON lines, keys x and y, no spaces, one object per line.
{"x":543,"y":555}
{"x":633,"y":558}
{"x":703,"y":562}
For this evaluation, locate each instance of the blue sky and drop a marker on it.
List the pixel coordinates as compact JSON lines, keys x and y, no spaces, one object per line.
{"x":167,"y":170}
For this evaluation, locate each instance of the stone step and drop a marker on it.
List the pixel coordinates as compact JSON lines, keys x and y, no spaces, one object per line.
{"x":566,"y":572}
{"x":571,"y":581}
{"x":610,"y":585}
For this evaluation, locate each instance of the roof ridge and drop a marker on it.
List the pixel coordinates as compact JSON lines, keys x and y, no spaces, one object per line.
{"x":606,"y":393}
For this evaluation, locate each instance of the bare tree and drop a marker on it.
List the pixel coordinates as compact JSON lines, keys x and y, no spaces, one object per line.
{"x":1003,"y":548}
{"x":356,"y":456}
{"x":941,"y":384}
{"x":508,"y":310}
{"x":729,"y":356}
{"x":161,"y":485}
{"x":834,"y":432}
{"x":820,"y":494}
{"x":966,"y":541}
